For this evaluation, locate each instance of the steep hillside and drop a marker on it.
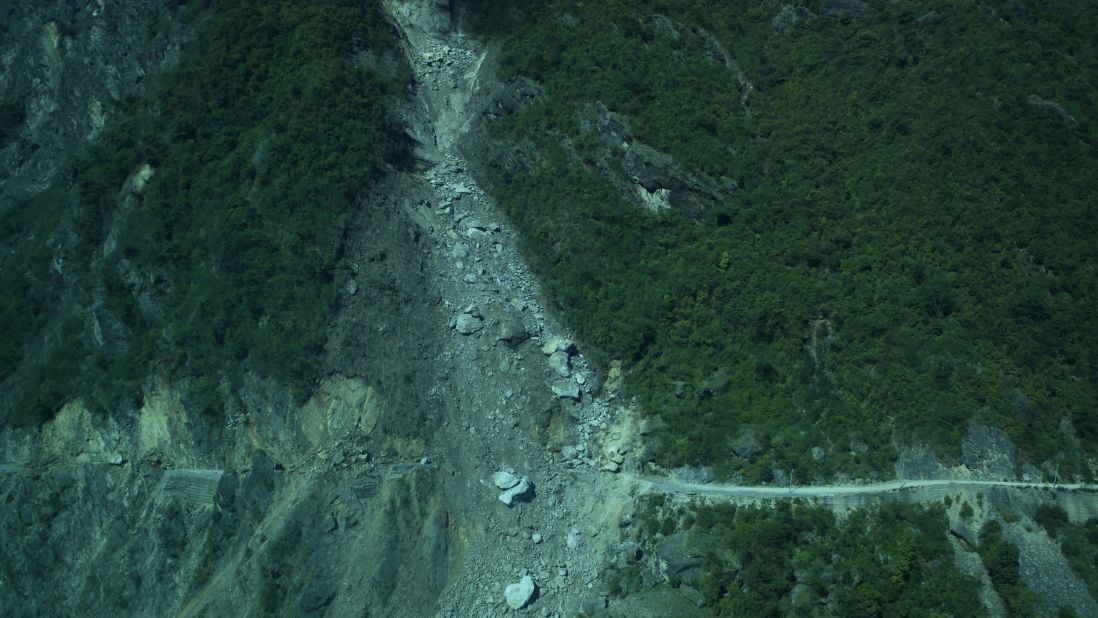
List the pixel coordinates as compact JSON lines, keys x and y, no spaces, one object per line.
{"x":465,"y":309}
{"x":816,"y":235}
{"x":187,"y":268}
{"x":179,"y":244}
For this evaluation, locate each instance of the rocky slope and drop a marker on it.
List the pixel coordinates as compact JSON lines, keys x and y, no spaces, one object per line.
{"x":390,"y":491}
{"x":461,"y":456}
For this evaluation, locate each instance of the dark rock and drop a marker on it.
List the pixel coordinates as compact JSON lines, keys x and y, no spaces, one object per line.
{"x":648,"y":453}
{"x":572,"y":409}
{"x":513,"y":97}
{"x":716,"y":384}
{"x":511,"y":331}
{"x":678,"y":561}
{"x":747,"y":445}
{"x":629,"y":554}
{"x":965,"y":532}
{"x":316,"y":596}
{"x":837,"y":8}
{"x":594,"y":604}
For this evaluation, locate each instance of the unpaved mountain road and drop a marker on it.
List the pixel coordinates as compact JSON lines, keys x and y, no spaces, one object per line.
{"x":664,"y":485}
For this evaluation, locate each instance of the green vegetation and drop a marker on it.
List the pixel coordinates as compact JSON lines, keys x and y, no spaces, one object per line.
{"x":911,"y":244}
{"x":1000,"y":558}
{"x":966,"y":511}
{"x":796,"y":559}
{"x":12,"y":114}
{"x":1078,"y":542}
{"x":262,"y":142}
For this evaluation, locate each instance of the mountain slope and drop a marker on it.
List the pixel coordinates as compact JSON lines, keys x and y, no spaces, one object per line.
{"x":816,"y":236}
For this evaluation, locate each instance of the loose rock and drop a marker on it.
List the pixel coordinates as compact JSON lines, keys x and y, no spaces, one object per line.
{"x":520,"y":491}
{"x":566,"y":389}
{"x":505,"y":480}
{"x":467,"y":324}
{"x":558,"y":362}
{"x":519,"y":594}
{"x":512,"y":331}
{"x":557,"y":344}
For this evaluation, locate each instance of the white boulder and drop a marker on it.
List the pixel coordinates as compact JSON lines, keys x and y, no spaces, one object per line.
{"x":519,"y":594}
{"x":556,"y":344}
{"x":505,"y":480}
{"x":520,"y":490}
{"x":558,"y":362}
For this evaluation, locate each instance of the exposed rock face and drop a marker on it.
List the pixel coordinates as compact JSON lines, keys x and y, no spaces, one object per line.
{"x":678,"y":561}
{"x":988,"y":451}
{"x":146,"y":540}
{"x":697,"y":475}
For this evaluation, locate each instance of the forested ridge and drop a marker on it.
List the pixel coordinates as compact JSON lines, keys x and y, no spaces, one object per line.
{"x":799,"y":559}
{"x":909,"y":246}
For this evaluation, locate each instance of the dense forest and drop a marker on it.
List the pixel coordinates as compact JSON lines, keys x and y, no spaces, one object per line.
{"x":909,"y":244}
{"x":258,"y":146}
{"x":799,"y":559}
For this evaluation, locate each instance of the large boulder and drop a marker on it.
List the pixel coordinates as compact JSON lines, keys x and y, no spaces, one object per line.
{"x":512,"y":331}
{"x":467,"y":324}
{"x":559,"y":362}
{"x":566,"y":389}
{"x":557,"y":344}
{"x":519,"y":594}
{"x":520,"y":492}
{"x":505,"y":479}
